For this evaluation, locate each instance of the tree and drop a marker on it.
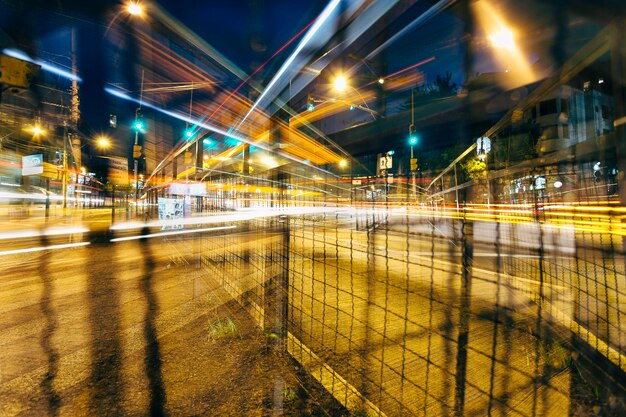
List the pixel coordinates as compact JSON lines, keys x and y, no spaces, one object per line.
{"x":474,"y":168}
{"x":443,"y":85}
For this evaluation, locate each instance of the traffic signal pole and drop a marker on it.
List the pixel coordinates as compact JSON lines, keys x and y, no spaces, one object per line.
{"x":136,"y":167}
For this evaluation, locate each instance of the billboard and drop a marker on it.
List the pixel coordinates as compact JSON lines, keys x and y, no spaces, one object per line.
{"x":32,"y":164}
{"x":171,"y":209}
{"x":118,"y":170}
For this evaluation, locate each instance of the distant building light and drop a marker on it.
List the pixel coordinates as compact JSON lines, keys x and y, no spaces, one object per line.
{"x":601,"y":81}
{"x":558,"y":184}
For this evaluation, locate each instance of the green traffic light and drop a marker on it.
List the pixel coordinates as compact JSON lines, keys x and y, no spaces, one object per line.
{"x":139,"y":125}
{"x":413,"y":140}
{"x":189,"y":134}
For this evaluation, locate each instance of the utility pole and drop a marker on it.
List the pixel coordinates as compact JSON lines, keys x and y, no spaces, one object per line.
{"x":65,"y":164}
{"x":136,"y":148}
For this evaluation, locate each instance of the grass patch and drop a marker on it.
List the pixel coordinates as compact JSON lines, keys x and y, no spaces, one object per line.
{"x":221,"y":329}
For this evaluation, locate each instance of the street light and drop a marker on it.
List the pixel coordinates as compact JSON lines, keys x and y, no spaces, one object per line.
{"x":103,"y":142}
{"x":36,"y":130}
{"x":340,"y":84}
{"x":502,"y":38}
{"x":134,"y":9}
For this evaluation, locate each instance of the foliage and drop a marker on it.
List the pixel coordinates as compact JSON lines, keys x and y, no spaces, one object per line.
{"x":474,"y":168}
{"x":442,"y":87}
{"x":517,"y":143}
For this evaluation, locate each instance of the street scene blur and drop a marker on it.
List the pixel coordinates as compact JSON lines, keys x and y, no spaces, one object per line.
{"x":312,"y":208}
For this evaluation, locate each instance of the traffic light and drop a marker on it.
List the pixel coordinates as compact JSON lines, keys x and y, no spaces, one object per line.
{"x":139,"y":125}
{"x":310,"y":106}
{"x":413,"y":164}
{"x":187,"y":158}
{"x":189,"y":133}
{"x":136,"y":151}
{"x":413,"y":139}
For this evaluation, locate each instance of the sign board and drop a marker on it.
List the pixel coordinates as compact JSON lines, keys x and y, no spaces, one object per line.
{"x":187,"y":188}
{"x":32,"y":164}
{"x":118,"y":170}
{"x":171,"y":209}
{"x":356,"y":182}
{"x":483,"y":145}
{"x":540,"y":183}
{"x":385,"y":162}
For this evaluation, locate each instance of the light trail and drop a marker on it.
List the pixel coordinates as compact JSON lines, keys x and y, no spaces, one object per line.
{"x":15,"y":53}
{"x":120,"y":94}
{"x":226,"y":218}
{"x":52,"y":231}
{"x":41,"y":248}
{"x":324,"y":16}
{"x":177,"y":232}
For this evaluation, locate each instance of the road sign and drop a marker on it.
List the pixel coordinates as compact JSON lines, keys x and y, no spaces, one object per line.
{"x":385,"y":162}
{"x":483,"y":145}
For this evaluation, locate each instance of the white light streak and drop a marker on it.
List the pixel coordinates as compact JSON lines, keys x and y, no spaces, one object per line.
{"x":52,"y":231}
{"x":307,"y":38}
{"x":40,"y":248}
{"x":15,"y":53}
{"x":178,"y":232}
{"x":240,"y":215}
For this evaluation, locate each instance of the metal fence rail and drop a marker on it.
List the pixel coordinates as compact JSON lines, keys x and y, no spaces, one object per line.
{"x":430,"y":314}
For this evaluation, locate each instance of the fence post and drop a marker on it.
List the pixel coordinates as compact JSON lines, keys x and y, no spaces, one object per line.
{"x":467,"y":237}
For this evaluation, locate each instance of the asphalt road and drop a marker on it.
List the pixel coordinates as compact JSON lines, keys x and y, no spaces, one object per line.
{"x":135,"y":328}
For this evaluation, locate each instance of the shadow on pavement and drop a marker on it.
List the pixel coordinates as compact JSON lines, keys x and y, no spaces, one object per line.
{"x":52,"y":397}
{"x":106,"y":382}
{"x":153,"y":356}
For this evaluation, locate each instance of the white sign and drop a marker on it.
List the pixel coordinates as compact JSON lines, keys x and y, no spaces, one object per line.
{"x":385,"y":162}
{"x":483,"y":145}
{"x":356,"y":182}
{"x":171,"y":209}
{"x":32,"y":164}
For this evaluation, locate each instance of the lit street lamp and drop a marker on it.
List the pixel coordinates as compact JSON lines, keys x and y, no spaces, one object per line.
{"x":103,"y":142}
{"x":134,"y":9}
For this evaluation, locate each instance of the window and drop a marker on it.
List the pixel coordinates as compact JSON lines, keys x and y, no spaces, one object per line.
{"x":547,"y":107}
{"x":605,"y":112}
{"x":564,"y":106}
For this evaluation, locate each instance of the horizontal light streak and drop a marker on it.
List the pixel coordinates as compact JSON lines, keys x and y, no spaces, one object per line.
{"x":177,"y":232}
{"x":52,"y":231}
{"x":226,"y":218}
{"x":15,"y":53}
{"x":40,"y":248}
